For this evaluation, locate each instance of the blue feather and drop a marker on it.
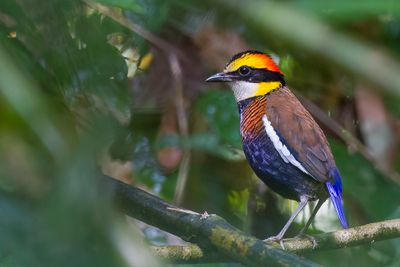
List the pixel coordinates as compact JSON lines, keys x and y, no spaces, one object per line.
{"x":335,"y":192}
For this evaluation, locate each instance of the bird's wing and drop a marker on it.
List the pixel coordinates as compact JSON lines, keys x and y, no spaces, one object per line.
{"x":298,"y":131}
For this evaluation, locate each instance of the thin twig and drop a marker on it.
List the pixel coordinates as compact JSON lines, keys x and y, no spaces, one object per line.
{"x":153,"y":39}
{"x":145,"y":34}
{"x":183,"y":127}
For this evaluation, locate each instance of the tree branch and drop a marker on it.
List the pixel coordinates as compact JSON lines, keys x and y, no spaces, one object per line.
{"x":187,"y":254}
{"x":203,"y":229}
{"x":229,"y":243}
{"x":365,"y":234}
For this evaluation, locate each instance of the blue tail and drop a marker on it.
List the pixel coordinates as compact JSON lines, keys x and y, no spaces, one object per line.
{"x":335,"y":192}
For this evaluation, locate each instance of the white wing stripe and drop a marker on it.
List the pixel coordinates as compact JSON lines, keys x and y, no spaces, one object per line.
{"x":280,"y":147}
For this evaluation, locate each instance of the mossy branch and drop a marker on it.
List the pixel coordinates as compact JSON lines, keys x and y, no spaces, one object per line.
{"x":360,"y":235}
{"x":208,"y":231}
{"x":226,"y":243}
{"x":189,"y":254}
{"x":364,"y":234}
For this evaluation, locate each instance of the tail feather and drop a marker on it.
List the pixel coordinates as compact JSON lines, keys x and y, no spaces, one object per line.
{"x":335,"y":193}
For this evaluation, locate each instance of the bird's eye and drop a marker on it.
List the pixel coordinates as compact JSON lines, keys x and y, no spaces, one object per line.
{"x":244,"y":71}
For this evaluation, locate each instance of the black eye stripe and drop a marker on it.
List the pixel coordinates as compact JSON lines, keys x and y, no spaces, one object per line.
{"x":259,"y":75}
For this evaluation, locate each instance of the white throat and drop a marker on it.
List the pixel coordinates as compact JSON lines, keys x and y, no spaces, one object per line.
{"x":243,"y":90}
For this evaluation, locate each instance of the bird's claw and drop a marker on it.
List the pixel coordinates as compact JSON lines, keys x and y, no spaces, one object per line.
{"x":205,"y":215}
{"x":309,"y":237}
{"x":275,"y":239}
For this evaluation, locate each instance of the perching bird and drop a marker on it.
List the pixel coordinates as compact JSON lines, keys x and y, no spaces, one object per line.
{"x":283,"y":144}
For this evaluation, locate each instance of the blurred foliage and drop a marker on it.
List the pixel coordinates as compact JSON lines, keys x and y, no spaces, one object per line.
{"x":69,"y":109}
{"x":219,"y":108}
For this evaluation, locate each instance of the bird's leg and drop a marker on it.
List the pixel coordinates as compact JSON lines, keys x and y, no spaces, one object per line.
{"x":303,"y":231}
{"x":315,"y":210}
{"x":278,"y":237}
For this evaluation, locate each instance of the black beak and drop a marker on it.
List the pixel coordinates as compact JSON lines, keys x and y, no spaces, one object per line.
{"x":221,"y":77}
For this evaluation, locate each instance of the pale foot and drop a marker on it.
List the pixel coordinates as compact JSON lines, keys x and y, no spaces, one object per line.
{"x":275,"y":239}
{"x":309,"y":237}
{"x":205,"y":215}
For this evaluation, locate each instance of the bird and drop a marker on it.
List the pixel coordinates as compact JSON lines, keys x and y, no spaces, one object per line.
{"x":283,"y":144}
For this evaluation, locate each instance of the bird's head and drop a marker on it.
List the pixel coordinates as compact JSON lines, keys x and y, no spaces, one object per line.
{"x":250,"y":74}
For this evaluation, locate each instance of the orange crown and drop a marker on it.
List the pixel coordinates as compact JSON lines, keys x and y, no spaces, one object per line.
{"x":253,"y":59}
